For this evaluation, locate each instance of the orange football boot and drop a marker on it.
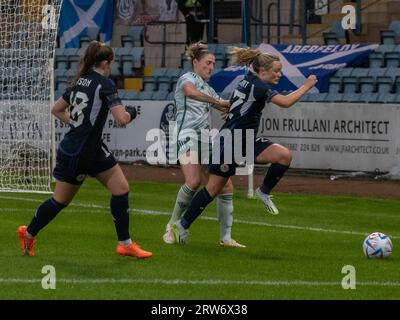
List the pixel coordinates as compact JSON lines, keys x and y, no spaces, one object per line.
{"x":133,"y":250}
{"x":27,"y":244}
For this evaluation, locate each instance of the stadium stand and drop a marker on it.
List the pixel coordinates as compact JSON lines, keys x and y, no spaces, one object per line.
{"x":377,"y":80}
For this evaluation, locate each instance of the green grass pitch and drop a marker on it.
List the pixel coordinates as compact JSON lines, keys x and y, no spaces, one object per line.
{"x":298,"y":254}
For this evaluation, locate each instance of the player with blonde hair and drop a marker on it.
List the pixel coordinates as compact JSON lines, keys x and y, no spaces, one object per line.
{"x":193,"y":98}
{"x":246,"y":105}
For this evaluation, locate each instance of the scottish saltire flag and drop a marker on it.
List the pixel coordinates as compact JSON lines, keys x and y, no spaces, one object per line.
{"x":77,"y":15}
{"x":300,"y":61}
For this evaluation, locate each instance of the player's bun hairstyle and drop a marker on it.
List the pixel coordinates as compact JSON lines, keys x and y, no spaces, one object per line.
{"x":95,"y":53}
{"x":197,"y":51}
{"x":253,"y":57}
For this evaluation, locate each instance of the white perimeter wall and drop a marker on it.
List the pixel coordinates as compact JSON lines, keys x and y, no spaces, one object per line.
{"x":355,"y":137}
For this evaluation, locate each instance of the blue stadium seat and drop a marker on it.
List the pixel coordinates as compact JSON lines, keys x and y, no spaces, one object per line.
{"x":370,"y":97}
{"x":160,"y":95}
{"x":384,"y":84}
{"x":115,"y":68}
{"x":319,"y":97}
{"x":387,"y":48}
{"x":333,"y":97}
{"x":314,"y":97}
{"x":134,"y":38}
{"x":392,"y":72}
{"x":306,"y":98}
{"x":330,"y":38}
{"x":60,"y":79}
{"x":127,"y":68}
{"x":84,"y":42}
{"x":145,"y":95}
{"x":344,"y":72}
{"x":174,"y":72}
{"x":338,"y":29}
{"x":138,"y":55}
{"x":61,"y":60}
{"x":350,"y":84}
{"x":70,"y":73}
{"x":376,"y":59}
{"x":335,"y":84}
{"x":376,"y":72}
{"x":61,"y":85}
{"x":395,"y":27}
{"x":69,"y":51}
{"x":171,"y":96}
{"x":367,"y":84}
{"x":212,"y":47}
{"x":131,"y":95}
{"x":219,"y":63}
{"x":388,"y":37}
{"x":58,"y":94}
{"x":386,"y":97}
{"x":164,"y":83}
{"x":359,"y":72}
{"x":186,"y":65}
{"x":149,"y":83}
{"x":392,"y":59}
{"x":131,"y":59}
{"x":74,"y":58}
{"x":351,"y":97}
{"x":59,"y":73}
{"x":396,"y":86}
{"x":173,"y":84}
{"x":90,"y":34}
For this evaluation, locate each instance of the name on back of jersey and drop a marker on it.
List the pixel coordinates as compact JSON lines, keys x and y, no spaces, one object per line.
{"x":84,"y":82}
{"x":244,"y":83}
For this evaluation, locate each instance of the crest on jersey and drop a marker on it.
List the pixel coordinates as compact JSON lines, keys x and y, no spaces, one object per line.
{"x":224,"y":168}
{"x":81,"y":177}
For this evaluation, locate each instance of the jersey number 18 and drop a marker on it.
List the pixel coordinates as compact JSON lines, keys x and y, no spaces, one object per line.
{"x":79,"y":101}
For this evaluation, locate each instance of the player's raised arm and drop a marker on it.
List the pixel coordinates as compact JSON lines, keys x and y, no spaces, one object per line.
{"x":292,"y":98}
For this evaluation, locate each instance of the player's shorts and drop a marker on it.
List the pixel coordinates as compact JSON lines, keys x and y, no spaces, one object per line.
{"x":74,"y":169}
{"x":190,"y":143}
{"x":228,"y":169}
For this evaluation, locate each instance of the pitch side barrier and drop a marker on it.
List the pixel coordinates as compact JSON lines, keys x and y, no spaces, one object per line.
{"x":334,"y":136}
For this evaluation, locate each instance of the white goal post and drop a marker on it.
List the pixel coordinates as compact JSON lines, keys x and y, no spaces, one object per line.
{"x":28,"y":30}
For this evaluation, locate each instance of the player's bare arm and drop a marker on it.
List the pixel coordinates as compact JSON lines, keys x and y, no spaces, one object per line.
{"x":292,"y":98}
{"x":190,"y":91}
{"x":60,"y":110}
{"x":120,"y":115}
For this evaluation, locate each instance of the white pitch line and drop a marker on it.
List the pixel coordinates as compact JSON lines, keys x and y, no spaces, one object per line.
{"x":210,"y":282}
{"x":265,"y":224}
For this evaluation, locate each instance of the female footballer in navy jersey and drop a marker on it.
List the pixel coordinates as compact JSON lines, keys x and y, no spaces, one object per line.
{"x":85,"y":106}
{"x":246,"y":105}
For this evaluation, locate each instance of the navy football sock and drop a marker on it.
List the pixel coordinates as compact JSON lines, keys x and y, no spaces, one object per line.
{"x":120,"y":211}
{"x":274,"y":174}
{"x":196,"y":207}
{"x":44,"y":214}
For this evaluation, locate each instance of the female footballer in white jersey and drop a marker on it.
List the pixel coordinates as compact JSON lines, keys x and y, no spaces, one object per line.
{"x":193,"y":99}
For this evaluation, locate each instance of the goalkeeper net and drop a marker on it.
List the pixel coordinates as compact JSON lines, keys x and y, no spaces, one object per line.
{"x":28,"y":30}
